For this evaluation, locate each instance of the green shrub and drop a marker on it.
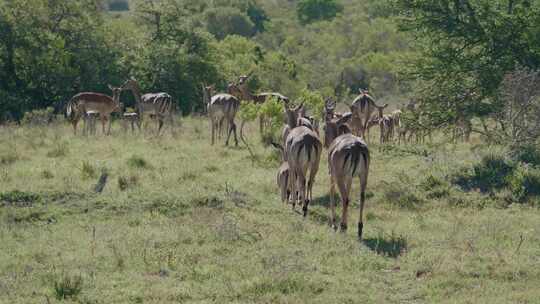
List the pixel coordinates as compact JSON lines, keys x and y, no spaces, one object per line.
{"x":491,"y":173}
{"x":38,"y":117}
{"x":138,"y":162}
{"x":401,"y":195}
{"x":67,"y":286}
{"x":19,"y":198}
{"x":88,"y":170}
{"x":125,"y":183}
{"x":529,"y":154}
{"x":60,"y":150}
{"x":525,"y":183}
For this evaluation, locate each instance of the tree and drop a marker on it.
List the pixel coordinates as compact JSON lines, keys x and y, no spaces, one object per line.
{"x":309,"y":11}
{"x":469,"y":46}
{"x":50,"y":49}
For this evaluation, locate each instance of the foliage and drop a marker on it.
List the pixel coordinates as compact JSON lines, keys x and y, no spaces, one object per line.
{"x":249,"y":111}
{"x":222,"y":22}
{"x":520,"y":115}
{"x":313,"y":101}
{"x":314,"y":10}
{"x":39,"y":117}
{"x":67,"y":286}
{"x":49,"y":52}
{"x":491,"y":173}
{"x":467,"y":47}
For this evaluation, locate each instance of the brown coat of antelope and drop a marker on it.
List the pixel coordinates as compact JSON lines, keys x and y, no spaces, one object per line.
{"x":283,"y":176}
{"x":85,"y":102}
{"x":362,"y":108}
{"x":348,"y":157}
{"x":158,"y":104}
{"x":221,"y":107}
{"x":303,"y":153}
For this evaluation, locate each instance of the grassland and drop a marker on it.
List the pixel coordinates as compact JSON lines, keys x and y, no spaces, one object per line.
{"x":181,"y":221}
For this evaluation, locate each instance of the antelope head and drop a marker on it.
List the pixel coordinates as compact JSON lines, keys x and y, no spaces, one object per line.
{"x":208,"y":91}
{"x":130,"y":84}
{"x":329,"y":109}
{"x":293,"y":114}
{"x":380,"y":109}
{"x":118,"y":106}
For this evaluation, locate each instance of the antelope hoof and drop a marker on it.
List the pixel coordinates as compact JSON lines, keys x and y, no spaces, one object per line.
{"x":305,"y":210}
{"x":343,"y":227}
{"x":360,"y":230}
{"x":333,"y":225}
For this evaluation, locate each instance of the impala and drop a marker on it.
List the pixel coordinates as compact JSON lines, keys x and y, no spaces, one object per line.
{"x":158,"y":104}
{"x":362,"y":108}
{"x":303,"y":153}
{"x":82,"y":103}
{"x":348,"y":157}
{"x":221,"y":107}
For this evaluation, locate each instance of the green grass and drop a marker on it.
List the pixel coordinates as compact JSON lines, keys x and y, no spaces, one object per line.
{"x":181,"y":221}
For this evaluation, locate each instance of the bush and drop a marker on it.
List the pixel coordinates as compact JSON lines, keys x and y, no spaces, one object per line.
{"x":60,"y":150}
{"x":138,"y":162}
{"x":525,"y":183}
{"x":125,"y":183}
{"x":401,"y":195}
{"x":491,"y":173}
{"x":19,"y":198}
{"x":313,"y":10}
{"x":529,"y":154}
{"x":88,"y":170}
{"x":67,"y":287}
{"x":39,"y":117}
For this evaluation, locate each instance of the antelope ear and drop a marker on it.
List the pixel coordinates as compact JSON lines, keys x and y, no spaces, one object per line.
{"x":384,"y":106}
{"x":110,"y":87}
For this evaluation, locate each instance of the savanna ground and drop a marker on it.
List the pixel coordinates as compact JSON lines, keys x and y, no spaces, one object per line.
{"x":181,"y":221}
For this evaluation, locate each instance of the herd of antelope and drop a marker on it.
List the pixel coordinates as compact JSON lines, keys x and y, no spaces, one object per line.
{"x":89,"y":106}
{"x":300,"y":146}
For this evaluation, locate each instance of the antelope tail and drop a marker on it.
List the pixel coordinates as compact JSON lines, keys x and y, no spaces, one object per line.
{"x":70,"y":108}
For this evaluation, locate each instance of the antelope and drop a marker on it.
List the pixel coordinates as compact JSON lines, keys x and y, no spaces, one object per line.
{"x":241,"y":91}
{"x":396,"y":122}
{"x":362,"y":108}
{"x":295,"y":118}
{"x":90,"y":122}
{"x":221,"y":107}
{"x":348,"y":157}
{"x":133,"y":119}
{"x":82,"y":103}
{"x":283,"y":176}
{"x":332,"y":122}
{"x":159,"y":104}
{"x":386,"y":126}
{"x":303,"y":153}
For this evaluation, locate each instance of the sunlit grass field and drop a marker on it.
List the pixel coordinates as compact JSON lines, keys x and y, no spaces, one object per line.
{"x":181,"y":221}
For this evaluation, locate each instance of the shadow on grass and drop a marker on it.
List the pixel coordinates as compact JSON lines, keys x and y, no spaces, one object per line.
{"x":393,"y":246}
{"x":323,"y":201}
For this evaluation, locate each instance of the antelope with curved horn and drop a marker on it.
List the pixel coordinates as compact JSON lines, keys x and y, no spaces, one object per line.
{"x":295,"y":118}
{"x":82,"y":103}
{"x":362,"y":108}
{"x":348,"y":157}
{"x":158,"y":104}
{"x":303,"y":153}
{"x":241,"y":91}
{"x":221,"y":107}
